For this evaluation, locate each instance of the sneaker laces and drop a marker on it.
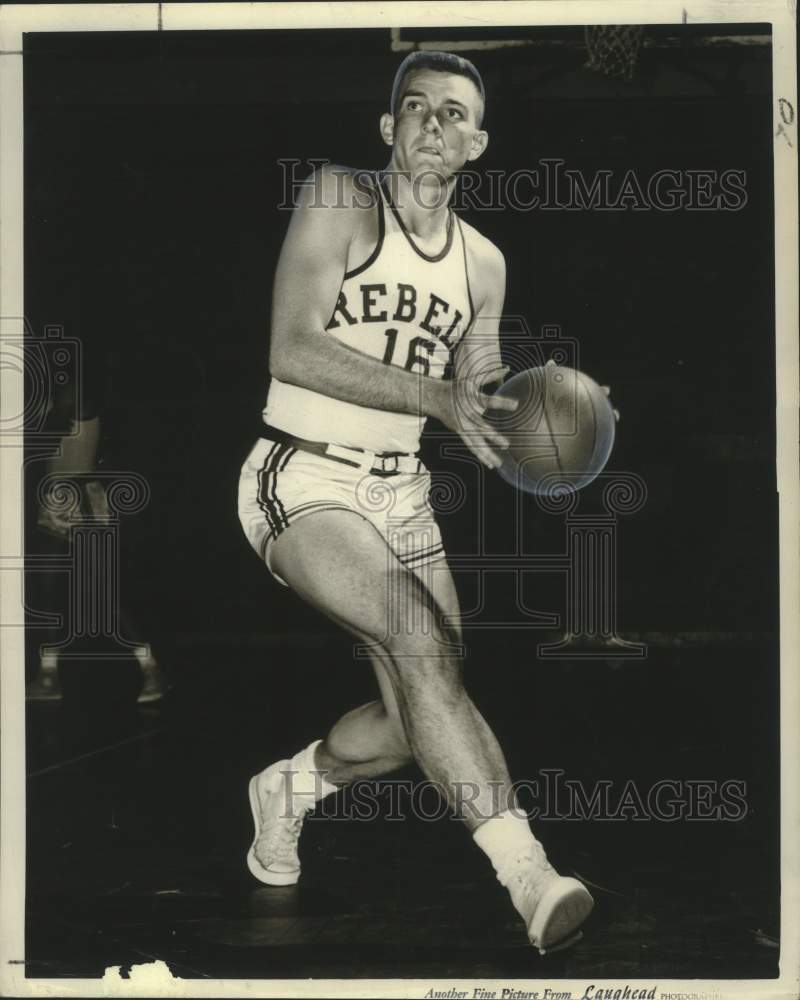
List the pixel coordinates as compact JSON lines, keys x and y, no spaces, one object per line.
{"x":280,"y":839}
{"x":538,"y":858}
{"x":530,"y":866}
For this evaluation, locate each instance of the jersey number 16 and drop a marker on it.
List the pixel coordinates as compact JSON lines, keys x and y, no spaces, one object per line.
{"x":419,"y":352}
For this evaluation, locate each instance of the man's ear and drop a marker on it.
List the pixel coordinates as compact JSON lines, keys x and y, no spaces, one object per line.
{"x":480,"y":141}
{"x":387,"y":128}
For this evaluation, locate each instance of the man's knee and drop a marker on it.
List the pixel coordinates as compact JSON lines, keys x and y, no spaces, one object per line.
{"x":417,"y":620}
{"x":436,"y":645}
{"x":413,"y":626}
{"x":423,"y":660}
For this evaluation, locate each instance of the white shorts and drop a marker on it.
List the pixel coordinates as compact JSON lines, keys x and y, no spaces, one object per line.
{"x":280,"y":484}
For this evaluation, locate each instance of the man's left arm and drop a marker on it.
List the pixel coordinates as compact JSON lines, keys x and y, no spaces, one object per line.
{"x":479,"y":350}
{"x":477,"y":361}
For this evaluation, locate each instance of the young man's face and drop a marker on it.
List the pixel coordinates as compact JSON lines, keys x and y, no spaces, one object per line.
{"x":435,"y":129}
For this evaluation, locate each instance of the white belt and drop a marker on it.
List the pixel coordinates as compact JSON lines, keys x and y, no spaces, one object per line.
{"x":370,"y":461}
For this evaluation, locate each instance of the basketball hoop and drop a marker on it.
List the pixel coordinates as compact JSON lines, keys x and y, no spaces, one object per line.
{"x":613,"y":48}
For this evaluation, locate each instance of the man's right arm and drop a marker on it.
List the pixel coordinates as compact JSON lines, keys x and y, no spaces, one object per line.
{"x":308,"y":279}
{"x":311,"y":267}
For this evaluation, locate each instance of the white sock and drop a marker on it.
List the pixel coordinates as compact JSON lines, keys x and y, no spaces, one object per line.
{"x":308,"y":784}
{"x":48,"y":662}
{"x":503,"y":838}
{"x":144,"y":656}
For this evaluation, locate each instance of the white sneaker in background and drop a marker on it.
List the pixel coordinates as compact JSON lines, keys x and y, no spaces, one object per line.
{"x":154,"y":684}
{"x":46,"y":685}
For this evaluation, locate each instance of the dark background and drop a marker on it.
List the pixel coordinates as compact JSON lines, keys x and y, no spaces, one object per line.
{"x":152,"y":232}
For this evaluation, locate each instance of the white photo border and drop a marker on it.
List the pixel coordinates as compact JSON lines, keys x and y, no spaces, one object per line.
{"x":16,"y":19}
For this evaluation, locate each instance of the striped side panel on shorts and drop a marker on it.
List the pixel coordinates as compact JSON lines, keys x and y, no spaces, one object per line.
{"x":268,"y":499}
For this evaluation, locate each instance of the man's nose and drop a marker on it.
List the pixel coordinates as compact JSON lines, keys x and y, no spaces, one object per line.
{"x":432,"y":124}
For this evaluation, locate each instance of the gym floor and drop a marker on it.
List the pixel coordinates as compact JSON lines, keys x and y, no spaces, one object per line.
{"x":138,"y":824}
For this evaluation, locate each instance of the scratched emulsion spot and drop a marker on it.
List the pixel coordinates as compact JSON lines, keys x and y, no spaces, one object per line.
{"x":151,"y":979}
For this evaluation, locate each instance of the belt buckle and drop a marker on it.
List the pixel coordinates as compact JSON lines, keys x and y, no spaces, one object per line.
{"x":390,"y":458}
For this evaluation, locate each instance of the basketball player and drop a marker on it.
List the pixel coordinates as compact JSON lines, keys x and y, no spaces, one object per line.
{"x":78,"y":426}
{"x":377,"y":287}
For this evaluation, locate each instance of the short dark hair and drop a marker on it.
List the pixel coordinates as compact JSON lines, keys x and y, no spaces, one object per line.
{"x":440,"y":62}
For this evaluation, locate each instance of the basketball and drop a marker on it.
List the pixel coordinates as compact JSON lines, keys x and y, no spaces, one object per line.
{"x":561,"y":433}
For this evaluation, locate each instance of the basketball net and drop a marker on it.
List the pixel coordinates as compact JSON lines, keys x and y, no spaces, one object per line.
{"x":613,"y":48}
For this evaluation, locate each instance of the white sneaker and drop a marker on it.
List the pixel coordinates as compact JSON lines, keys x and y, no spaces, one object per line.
{"x":552,"y":905}
{"x":272,"y":857}
{"x":46,"y":685}
{"x":154,"y":683}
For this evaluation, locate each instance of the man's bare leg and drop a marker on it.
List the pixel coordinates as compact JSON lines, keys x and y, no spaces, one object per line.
{"x":340,"y":564}
{"x":364,"y":743}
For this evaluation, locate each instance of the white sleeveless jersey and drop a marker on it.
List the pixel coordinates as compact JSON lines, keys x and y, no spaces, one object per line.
{"x":402,"y":307}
